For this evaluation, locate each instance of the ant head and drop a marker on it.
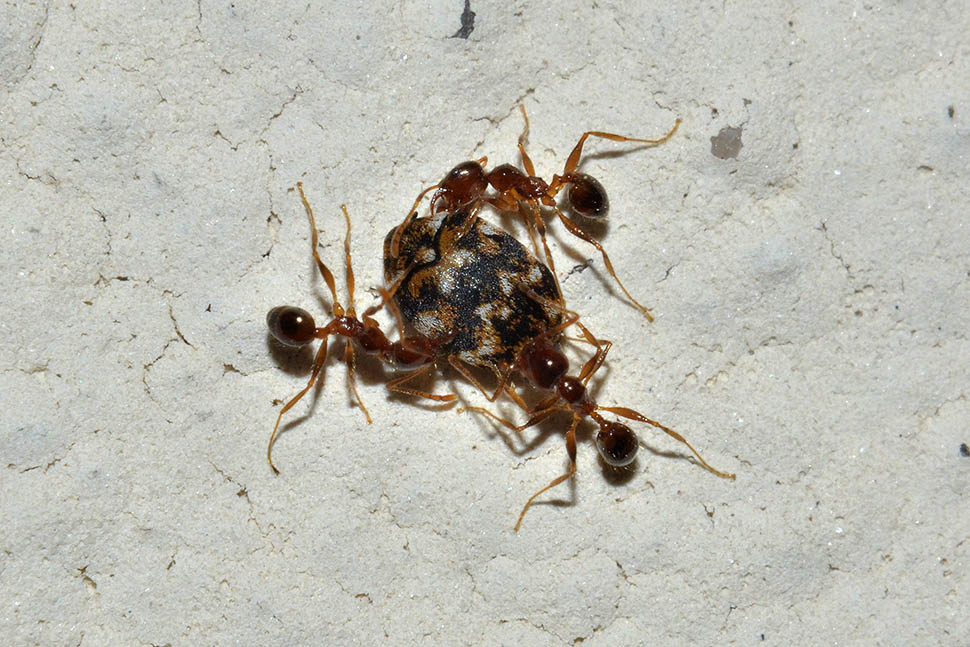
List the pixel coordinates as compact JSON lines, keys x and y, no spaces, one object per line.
{"x":463,"y":184}
{"x":290,"y":325}
{"x":413,"y":352}
{"x":587,"y":197}
{"x":543,"y":365}
{"x":617,"y":443}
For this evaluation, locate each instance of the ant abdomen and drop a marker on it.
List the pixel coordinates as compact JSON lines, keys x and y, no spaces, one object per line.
{"x":290,"y":325}
{"x":617,"y":444}
{"x":587,"y":197}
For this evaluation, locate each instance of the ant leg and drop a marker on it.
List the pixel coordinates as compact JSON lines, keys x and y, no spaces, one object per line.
{"x":571,"y":317}
{"x":349,"y":358}
{"x":388,"y":300}
{"x":541,"y":228}
{"x":503,"y":202}
{"x":460,"y":366}
{"x":633,"y":415}
{"x":534,"y":420}
{"x":511,"y":198}
{"x":571,"y":451}
{"x":546,"y":404}
{"x":396,"y":241}
{"x":350,"y":265}
{"x":572,"y":162}
{"x":504,"y":385}
{"x":513,"y":394}
{"x":449,"y":235}
{"x":387,"y":296}
{"x":588,"y":339}
{"x":575,"y":230}
{"x":317,"y":365}
{"x":523,"y":138}
{"x":396,"y":385}
{"x":517,"y":203}
{"x":594,"y":363}
{"x":338,"y":309}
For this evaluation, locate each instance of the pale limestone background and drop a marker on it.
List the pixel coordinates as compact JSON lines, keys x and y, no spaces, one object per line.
{"x":811,"y":295}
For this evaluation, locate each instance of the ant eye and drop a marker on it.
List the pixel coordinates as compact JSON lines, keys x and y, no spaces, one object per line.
{"x":617,"y":444}
{"x":291,"y":326}
{"x":587,"y":197}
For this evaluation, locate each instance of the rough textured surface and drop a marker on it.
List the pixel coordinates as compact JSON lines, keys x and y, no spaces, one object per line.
{"x":811,"y":298}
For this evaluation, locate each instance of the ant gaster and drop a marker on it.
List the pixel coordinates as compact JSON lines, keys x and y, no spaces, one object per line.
{"x":294,"y":326}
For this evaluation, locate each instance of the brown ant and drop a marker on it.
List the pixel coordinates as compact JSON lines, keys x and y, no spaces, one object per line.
{"x":294,"y":326}
{"x":546,"y":367}
{"x":468,"y":182}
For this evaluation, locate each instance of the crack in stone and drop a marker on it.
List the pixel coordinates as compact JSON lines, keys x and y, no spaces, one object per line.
{"x":845,"y":266}
{"x":34,"y":47}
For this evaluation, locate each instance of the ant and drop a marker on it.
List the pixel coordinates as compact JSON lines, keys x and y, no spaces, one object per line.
{"x":456,"y":275}
{"x":545,"y":367}
{"x":468,"y":182}
{"x":294,"y":326}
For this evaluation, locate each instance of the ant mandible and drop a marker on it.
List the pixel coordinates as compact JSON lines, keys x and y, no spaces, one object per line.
{"x":294,"y":326}
{"x":468,"y":182}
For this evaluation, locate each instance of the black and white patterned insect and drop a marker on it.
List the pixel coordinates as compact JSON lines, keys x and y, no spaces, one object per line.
{"x":473,"y":286}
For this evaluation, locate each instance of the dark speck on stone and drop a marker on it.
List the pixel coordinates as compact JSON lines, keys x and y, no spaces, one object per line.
{"x":467,"y":22}
{"x":727,"y":143}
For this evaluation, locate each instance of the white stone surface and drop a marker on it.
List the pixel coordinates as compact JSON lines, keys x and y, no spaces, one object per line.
{"x":811,"y":299}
